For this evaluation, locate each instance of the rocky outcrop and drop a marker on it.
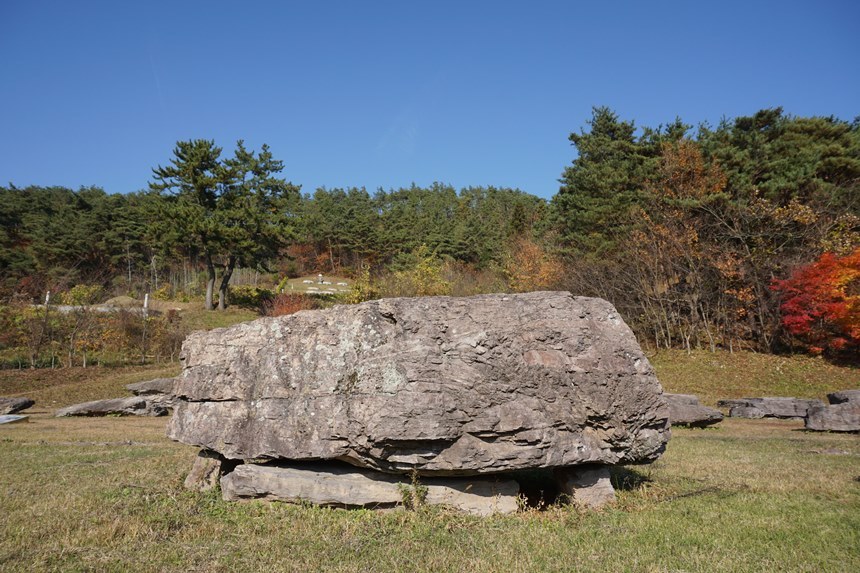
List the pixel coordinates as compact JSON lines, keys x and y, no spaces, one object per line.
{"x":14,"y":405}
{"x":443,"y":386}
{"x":345,"y":486}
{"x":132,"y":406}
{"x":13,"y":419}
{"x":786,"y":408}
{"x":685,"y":410}
{"x":838,"y":417}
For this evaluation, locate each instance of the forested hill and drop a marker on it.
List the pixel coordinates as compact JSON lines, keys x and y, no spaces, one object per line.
{"x":699,"y":237}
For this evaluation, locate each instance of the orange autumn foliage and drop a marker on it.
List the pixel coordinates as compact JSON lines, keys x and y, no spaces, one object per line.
{"x":529,"y":267}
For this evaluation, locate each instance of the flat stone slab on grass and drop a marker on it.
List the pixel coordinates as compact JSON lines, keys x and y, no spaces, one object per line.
{"x":840,"y":417}
{"x":13,"y":418}
{"x":341,"y":486}
{"x":132,"y":406}
{"x":756,"y":408}
{"x":685,"y":410}
{"x":14,"y":405}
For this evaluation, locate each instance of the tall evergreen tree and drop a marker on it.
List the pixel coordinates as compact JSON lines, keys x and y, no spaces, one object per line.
{"x":604,"y":183}
{"x":233,"y":211}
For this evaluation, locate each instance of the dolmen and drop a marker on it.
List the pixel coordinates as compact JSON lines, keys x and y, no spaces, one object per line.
{"x":756,"y":408}
{"x":151,"y":398}
{"x":685,"y":410}
{"x":436,"y":400}
{"x":841,"y":415}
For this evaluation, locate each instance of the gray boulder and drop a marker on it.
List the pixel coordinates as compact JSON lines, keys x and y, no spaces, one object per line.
{"x":345,"y":486}
{"x":13,"y":419}
{"x":786,"y":408}
{"x":133,"y":406}
{"x":844,"y":396}
{"x":159,"y":391}
{"x":840,"y":417}
{"x":14,"y":405}
{"x":685,"y":410}
{"x":156,"y":386}
{"x":444,"y":386}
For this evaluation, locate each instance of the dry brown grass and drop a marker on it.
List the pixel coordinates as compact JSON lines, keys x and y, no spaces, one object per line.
{"x":713,"y":376}
{"x":52,"y":389}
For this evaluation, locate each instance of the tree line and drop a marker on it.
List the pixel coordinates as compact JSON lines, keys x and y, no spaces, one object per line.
{"x":687,"y":231}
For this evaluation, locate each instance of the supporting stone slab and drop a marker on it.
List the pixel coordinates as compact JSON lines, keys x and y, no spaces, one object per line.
{"x":207,"y":470}
{"x":588,"y":485}
{"x":342,"y":486}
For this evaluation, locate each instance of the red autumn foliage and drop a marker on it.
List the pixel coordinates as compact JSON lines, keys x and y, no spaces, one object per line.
{"x":821,"y":303}
{"x":286,"y":303}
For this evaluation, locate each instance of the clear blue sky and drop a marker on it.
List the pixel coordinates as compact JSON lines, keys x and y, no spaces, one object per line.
{"x":383,"y":94}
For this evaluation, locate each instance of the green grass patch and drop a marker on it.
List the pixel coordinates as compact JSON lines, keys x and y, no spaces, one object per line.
{"x":726,"y":499}
{"x":105,"y":494}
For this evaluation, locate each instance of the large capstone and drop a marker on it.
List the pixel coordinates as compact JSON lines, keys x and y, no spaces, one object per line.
{"x":441,"y":386}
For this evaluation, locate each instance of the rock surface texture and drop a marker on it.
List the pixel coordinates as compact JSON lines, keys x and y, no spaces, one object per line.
{"x":443,"y":386}
{"x":14,"y":405}
{"x":685,"y":410}
{"x":787,"y":408}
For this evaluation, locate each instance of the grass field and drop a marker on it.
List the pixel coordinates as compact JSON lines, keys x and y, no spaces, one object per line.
{"x":106,"y":494}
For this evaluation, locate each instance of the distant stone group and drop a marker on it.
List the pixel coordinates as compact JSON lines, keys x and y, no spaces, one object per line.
{"x":842,"y":414}
{"x":151,"y":398}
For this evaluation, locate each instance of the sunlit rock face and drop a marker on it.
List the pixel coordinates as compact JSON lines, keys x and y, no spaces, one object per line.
{"x":441,"y":385}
